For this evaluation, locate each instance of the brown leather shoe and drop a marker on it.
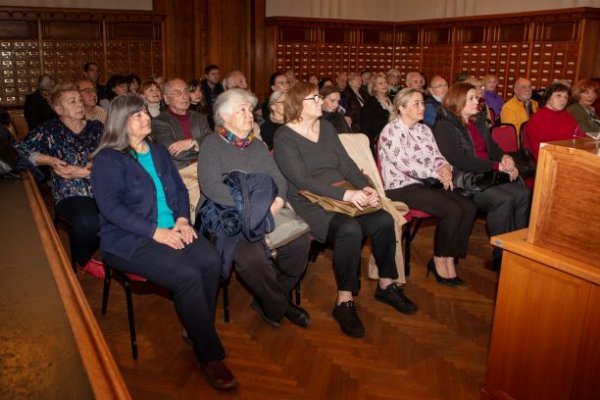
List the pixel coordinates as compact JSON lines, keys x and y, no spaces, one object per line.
{"x":218,"y":375}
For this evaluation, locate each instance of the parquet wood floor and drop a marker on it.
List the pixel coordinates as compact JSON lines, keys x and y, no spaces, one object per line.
{"x":438,"y":353}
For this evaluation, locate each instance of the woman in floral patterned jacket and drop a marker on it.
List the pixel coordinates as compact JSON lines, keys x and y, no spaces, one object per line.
{"x":415,"y":172}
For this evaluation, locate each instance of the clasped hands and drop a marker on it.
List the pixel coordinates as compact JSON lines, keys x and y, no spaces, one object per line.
{"x":181,"y":145}
{"x":445,"y":176}
{"x":362,"y":198}
{"x":508,"y":165}
{"x":67,"y":171}
{"x":178,"y":236}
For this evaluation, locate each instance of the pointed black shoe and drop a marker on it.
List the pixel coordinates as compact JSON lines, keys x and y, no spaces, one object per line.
{"x":297,"y":315}
{"x":438,"y":277}
{"x":458,"y":281}
{"x":345,"y":314}
{"x":257,"y":306}
{"x":395,"y":297}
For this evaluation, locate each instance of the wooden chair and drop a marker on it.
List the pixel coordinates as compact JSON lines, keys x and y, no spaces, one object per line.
{"x":17,"y":119}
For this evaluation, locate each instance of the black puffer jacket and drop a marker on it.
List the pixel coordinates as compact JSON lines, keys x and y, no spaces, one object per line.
{"x":455,"y":143}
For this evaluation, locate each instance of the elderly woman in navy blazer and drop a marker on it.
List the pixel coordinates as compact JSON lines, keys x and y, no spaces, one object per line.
{"x":145,"y":230}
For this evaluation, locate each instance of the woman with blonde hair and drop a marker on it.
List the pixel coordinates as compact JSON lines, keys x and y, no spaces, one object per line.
{"x":409,"y":156}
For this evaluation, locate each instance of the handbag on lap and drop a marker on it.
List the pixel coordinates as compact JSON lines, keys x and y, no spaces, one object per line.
{"x":339,"y":206}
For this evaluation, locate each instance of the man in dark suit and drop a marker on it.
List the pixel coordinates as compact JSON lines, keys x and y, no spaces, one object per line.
{"x":177,"y":128}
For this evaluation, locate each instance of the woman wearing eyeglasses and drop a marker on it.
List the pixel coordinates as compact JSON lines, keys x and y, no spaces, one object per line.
{"x":311,"y":157}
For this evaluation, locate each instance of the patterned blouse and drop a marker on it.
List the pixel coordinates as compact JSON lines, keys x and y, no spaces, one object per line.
{"x":407,"y":154}
{"x":53,"y":138}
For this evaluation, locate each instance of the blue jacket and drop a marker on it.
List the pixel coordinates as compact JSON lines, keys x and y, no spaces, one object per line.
{"x":126,"y":197}
{"x":431,"y":109}
{"x":250,"y":217}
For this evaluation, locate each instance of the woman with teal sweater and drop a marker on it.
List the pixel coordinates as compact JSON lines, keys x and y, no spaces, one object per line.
{"x":145,"y":230}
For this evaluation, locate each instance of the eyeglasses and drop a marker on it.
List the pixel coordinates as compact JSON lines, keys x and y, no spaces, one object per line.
{"x":179,"y":93}
{"x":88,"y":90}
{"x":315,"y":97}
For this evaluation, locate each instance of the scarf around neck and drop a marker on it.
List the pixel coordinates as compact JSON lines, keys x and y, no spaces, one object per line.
{"x":235,"y":140}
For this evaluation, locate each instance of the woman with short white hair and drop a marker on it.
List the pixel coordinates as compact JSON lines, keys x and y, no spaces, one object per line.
{"x":234,"y":147}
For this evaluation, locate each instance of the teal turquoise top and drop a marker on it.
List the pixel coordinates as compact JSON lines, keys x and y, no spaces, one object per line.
{"x":165,"y":214}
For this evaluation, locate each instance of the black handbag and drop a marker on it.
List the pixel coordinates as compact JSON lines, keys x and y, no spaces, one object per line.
{"x":471,"y":183}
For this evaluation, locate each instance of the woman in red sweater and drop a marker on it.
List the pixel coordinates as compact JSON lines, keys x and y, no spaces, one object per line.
{"x":552,"y":122}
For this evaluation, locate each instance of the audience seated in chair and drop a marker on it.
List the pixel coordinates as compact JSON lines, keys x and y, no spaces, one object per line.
{"x":115,"y":86}
{"x":151,"y":92}
{"x":377,"y":109}
{"x":144,"y":210}
{"x":551,"y":122}
{"x":583,"y":95}
{"x":436,"y":92}
{"x":408,"y":155}
{"x":89,"y":97}
{"x":491,"y":96}
{"x":233,"y":148}
{"x":352,"y":100}
{"x":312,"y":158}
{"x":520,"y":108}
{"x":332,"y":111}
{"x":177,"y":128}
{"x":37,"y":108}
{"x":65,"y":144}
{"x":274,"y":118}
{"x":415,"y":80}
{"x":466,"y":143}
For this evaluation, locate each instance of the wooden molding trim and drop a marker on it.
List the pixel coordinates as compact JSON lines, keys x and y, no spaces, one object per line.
{"x":104,"y":376}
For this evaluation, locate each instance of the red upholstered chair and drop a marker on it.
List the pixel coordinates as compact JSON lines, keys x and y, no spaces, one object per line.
{"x":411,"y":228}
{"x":506,"y":137}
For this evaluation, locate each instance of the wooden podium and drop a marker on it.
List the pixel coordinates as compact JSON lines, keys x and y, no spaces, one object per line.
{"x":545,"y":340}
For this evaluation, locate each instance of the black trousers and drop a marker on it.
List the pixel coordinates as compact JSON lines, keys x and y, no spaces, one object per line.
{"x":272,"y":282}
{"x":457,"y":215}
{"x":507,"y":208}
{"x":81,"y":213}
{"x":192,"y":274}
{"x":346,"y":235}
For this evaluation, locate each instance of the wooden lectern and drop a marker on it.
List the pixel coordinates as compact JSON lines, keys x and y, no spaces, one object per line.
{"x":545,"y":340}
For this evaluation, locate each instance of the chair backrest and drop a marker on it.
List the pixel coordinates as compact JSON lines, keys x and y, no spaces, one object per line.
{"x":505,"y":135}
{"x":17,"y":118}
{"x":522,"y":136}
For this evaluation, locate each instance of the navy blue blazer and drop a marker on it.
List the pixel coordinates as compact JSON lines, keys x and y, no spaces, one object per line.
{"x":126,"y":197}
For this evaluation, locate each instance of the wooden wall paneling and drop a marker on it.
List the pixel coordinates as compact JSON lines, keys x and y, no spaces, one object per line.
{"x":59,"y":42}
{"x":257,"y":78}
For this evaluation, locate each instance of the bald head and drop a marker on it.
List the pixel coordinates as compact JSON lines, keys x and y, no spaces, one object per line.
{"x":523,"y":89}
{"x":236,"y":79}
{"x":415,"y":80}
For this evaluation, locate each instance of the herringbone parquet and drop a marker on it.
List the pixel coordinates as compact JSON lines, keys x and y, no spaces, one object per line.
{"x":438,"y":353}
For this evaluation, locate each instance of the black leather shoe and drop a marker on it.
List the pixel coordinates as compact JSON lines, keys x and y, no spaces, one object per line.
{"x":345,"y":314}
{"x":218,"y":375}
{"x":297,"y":316}
{"x":438,"y":277}
{"x":458,"y":280}
{"x":256,"y":306}
{"x":395,"y":297}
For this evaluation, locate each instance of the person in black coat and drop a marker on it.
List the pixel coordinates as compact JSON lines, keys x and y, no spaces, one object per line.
{"x":376,"y":112}
{"x":467,"y":144}
{"x":353,"y":101}
{"x":37,"y":108}
{"x":331,"y":109}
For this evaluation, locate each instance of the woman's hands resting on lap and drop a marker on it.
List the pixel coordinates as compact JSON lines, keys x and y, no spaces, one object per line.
{"x":445,"y":176}
{"x":508,"y":165}
{"x":362,"y":198}
{"x":177,"y":237}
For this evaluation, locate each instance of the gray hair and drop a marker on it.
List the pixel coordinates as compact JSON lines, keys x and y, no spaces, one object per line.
{"x":116,"y":134}
{"x":275,"y":96}
{"x":229,"y":99}
{"x":45,"y":82}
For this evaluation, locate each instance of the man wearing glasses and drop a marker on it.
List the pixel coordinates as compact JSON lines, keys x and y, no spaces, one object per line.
{"x":177,"y":128}
{"x":436,"y":92}
{"x":89,"y":97}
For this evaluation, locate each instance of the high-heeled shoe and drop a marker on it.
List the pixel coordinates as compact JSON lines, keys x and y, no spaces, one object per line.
{"x":438,"y":277}
{"x":458,"y":281}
